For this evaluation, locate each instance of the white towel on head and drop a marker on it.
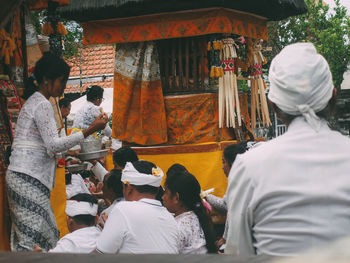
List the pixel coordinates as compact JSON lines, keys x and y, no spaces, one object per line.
{"x":74,"y":208}
{"x":301,"y":82}
{"x":132,"y":176}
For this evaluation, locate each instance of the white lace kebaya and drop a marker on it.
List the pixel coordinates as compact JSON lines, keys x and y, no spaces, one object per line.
{"x":36,"y":141}
{"x":86,"y":116}
{"x":192,"y":239}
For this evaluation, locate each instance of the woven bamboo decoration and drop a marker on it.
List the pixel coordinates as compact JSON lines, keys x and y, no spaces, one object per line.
{"x":258,"y":97}
{"x":229,"y":105}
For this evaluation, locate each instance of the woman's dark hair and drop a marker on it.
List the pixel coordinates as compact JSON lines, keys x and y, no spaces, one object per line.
{"x":86,"y":174}
{"x":175,"y":169}
{"x":146,"y":168}
{"x":94,"y":92}
{"x":114,"y":182}
{"x":188,"y":188}
{"x":88,"y":220}
{"x":64,"y":103}
{"x":123,"y":155}
{"x":327,"y":113}
{"x":230,"y":152}
{"x":49,"y":66}
{"x":68,"y":177}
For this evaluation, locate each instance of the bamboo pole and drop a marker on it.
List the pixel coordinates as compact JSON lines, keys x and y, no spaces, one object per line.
{"x":187,"y":61}
{"x":180,"y":73}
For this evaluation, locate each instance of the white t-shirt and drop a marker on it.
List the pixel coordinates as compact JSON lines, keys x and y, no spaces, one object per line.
{"x":290,"y":194}
{"x":139,"y":227}
{"x":107,"y":211}
{"x":81,"y":241}
{"x":192,"y":239}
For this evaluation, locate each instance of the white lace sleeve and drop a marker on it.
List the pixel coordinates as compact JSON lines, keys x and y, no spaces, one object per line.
{"x":44,"y":119}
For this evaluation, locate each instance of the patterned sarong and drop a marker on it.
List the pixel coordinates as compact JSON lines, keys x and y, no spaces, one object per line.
{"x":33,"y":222}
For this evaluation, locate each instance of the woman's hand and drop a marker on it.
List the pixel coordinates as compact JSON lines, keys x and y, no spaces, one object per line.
{"x":99,"y":124}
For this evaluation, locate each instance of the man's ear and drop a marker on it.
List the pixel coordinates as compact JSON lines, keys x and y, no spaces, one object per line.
{"x":127,"y":189}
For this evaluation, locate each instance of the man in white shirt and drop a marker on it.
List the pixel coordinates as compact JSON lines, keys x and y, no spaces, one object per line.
{"x":293,"y":193}
{"x":140,"y":225}
{"x":81,"y":212}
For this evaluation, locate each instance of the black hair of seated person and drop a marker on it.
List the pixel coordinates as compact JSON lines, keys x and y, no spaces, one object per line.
{"x":146,"y":168}
{"x":86,"y":174}
{"x":94,"y":92}
{"x":123,"y":155}
{"x":49,"y":66}
{"x":87,"y":220}
{"x":114,"y":182}
{"x":230,"y":152}
{"x":327,"y":113}
{"x":188,"y":188}
{"x":64,"y":103}
{"x":176,"y":168}
{"x":160,"y":194}
{"x":68,"y":178}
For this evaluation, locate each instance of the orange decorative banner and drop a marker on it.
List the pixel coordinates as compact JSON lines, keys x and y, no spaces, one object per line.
{"x":174,"y":25}
{"x":138,"y":103}
{"x":194,"y":119}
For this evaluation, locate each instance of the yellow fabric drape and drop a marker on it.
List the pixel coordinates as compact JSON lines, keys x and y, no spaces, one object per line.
{"x":203,"y":160}
{"x":58,"y":201}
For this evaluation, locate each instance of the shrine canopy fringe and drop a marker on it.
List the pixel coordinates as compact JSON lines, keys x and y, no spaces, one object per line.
{"x":175,"y":25}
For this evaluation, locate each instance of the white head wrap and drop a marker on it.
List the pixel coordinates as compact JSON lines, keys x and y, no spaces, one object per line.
{"x":132,"y":176}
{"x":74,"y":208}
{"x":300,"y":82}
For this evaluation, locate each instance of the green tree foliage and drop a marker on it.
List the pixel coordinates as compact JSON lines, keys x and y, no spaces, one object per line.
{"x":328,"y":30}
{"x":73,"y":39}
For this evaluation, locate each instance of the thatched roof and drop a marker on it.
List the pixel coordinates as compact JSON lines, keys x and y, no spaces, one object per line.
{"x":87,"y":10}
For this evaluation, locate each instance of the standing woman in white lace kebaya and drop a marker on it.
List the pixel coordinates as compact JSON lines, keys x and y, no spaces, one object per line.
{"x":31,"y":173}
{"x":182,"y":197}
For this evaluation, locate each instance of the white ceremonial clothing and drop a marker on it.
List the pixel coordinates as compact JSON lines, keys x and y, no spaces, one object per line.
{"x":139,"y":227}
{"x":99,"y":171}
{"x":107,"y":211}
{"x":77,"y":186}
{"x":86,"y":116}
{"x":81,"y":241}
{"x":291,"y":193}
{"x":192,"y":238}
{"x":36,"y":141}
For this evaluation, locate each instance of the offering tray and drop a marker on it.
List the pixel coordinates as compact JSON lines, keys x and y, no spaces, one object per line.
{"x":92,"y":155}
{"x":74,"y":168}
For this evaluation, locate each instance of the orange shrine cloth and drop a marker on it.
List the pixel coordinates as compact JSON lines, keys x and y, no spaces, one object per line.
{"x":138,"y":103}
{"x":175,"y":25}
{"x":194,"y":119}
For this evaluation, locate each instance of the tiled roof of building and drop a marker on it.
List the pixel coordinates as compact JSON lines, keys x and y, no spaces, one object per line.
{"x":97,"y":65}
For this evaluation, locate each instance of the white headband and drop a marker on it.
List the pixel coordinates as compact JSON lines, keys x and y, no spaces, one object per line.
{"x":132,"y":176}
{"x":74,"y":208}
{"x":301,"y":82}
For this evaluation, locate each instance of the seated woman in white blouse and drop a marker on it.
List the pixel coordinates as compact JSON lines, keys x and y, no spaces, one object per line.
{"x":31,"y":173}
{"x":91,"y":109}
{"x":182,"y":197}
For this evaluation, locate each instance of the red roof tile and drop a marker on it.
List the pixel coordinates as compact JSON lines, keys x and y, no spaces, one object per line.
{"x":95,"y":61}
